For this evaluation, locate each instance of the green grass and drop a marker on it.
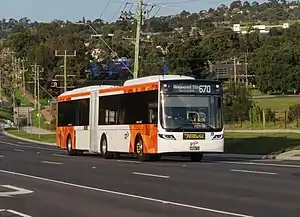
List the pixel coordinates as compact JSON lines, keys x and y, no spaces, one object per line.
{"x":24,"y":101}
{"x":255,"y":92}
{"x":23,"y":134}
{"x":279,"y":103}
{"x":35,"y":120}
{"x":247,"y":125}
{"x":261,"y":143}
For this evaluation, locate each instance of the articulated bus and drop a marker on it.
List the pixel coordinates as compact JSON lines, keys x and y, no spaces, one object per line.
{"x":147,"y":117}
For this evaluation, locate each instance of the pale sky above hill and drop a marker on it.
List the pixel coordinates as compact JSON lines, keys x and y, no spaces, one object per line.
{"x":74,"y":10}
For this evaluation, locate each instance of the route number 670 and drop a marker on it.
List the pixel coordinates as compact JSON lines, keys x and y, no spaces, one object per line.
{"x":204,"y":89}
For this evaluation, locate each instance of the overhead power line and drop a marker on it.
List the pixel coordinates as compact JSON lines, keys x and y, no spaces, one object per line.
{"x":119,"y":10}
{"x":105,"y":8}
{"x":176,"y":2}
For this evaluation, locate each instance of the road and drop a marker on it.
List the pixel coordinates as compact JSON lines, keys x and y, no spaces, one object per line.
{"x":41,"y":181}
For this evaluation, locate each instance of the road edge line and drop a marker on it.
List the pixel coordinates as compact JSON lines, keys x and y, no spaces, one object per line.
{"x":27,"y":140}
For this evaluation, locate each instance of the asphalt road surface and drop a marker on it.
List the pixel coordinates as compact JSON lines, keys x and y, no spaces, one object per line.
{"x":42,"y":181}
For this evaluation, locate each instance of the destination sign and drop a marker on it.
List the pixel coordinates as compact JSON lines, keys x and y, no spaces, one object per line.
{"x":192,"y":87}
{"x":194,"y":136}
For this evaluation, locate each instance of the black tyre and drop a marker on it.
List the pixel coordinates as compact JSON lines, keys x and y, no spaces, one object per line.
{"x":139,"y":150}
{"x":70,"y":150}
{"x":104,"y":148}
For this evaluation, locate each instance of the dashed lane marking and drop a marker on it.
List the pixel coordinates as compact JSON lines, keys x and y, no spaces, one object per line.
{"x":261,"y":164}
{"x":151,"y":175}
{"x":254,"y":172}
{"x":51,"y":162}
{"x":18,"y":150}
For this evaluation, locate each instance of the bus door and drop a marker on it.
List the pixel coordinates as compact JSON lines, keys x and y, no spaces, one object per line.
{"x":94,"y":104}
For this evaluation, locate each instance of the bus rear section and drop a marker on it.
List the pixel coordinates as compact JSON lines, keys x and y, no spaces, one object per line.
{"x":190,"y":118}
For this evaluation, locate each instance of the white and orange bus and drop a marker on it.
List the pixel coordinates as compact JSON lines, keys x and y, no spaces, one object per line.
{"x":148,"y":117}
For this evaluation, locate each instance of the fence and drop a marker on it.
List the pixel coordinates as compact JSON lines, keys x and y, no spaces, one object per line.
{"x":266,"y":119}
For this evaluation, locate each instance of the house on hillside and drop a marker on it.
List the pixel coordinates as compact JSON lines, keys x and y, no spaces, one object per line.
{"x":225,"y":71}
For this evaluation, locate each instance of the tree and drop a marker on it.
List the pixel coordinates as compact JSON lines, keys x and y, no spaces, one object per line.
{"x":241,"y":103}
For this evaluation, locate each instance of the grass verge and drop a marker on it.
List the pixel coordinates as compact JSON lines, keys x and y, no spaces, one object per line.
{"x":278,"y":103}
{"x":51,"y":138}
{"x":261,"y":143}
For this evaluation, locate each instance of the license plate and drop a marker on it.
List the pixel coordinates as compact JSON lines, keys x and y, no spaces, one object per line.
{"x":194,"y":148}
{"x":194,"y":136}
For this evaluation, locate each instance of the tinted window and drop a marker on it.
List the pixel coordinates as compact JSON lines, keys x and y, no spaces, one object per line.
{"x":131,"y":108}
{"x":74,"y":113}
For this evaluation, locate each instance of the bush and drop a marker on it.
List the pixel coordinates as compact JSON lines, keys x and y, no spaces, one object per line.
{"x":241,"y":103}
{"x":270,"y":115}
{"x":294,"y":113}
{"x":255,"y":114}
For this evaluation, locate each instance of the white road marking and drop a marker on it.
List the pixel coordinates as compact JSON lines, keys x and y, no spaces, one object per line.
{"x":17,"y":191}
{"x":19,"y":150}
{"x":129,"y":161}
{"x":20,"y":142}
{"x":50,"y":162}
{"x":28,"y":146}
{"x":60,"y":155}
{"x":17,"y":213}
{"x":152,"y":175}
{"x":255,"y":172}
{"x":125,"y":194}
{"x":1,"y":156}
{"x":261,"y":164}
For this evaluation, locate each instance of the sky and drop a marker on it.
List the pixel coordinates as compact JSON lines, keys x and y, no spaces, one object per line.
{"x":74,"y":10}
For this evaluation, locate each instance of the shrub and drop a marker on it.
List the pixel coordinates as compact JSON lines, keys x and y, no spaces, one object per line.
{"x":270,"y":115}
{"x":294,"y":113}
{"x":241,"y":103}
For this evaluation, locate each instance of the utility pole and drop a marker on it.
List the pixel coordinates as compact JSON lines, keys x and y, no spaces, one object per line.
{"x":34,"y":69}
{"x":23,"y":60}
{"x":137,"y":39}
{"x":246,"y":67}
{"x":37,"y":70}
{"x":2,"y":57}
{"x":65,"y":55}
{"x":13,"y":63}
{"x":234,"y":69}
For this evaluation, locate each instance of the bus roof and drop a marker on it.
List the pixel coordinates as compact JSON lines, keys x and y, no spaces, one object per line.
{"x":131,"y":82}
{"x":156,"y":78}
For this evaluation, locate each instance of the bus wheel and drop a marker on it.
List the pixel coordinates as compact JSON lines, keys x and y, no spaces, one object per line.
{"x":103,"y":148}
{"x":70,"y":150}
{"x":196,"y":157}
{"x":139,"y":149}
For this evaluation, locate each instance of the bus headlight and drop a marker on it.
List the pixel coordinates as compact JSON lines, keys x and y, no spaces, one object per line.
{"x":167,"y":136}
{"x":218,"y":137}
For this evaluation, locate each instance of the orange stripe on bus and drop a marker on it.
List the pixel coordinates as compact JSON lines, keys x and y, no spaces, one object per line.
{"x":62,"y":134}
{"x":148,"y":133}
